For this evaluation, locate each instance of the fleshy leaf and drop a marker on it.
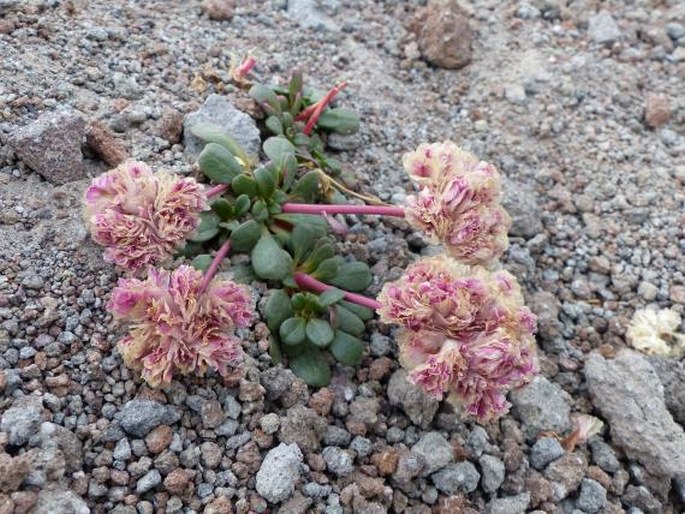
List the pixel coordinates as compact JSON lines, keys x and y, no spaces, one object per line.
{"x":265,"y":96}
{"x":202,"y":262}
{"x":278,"y":309}
{"x":328,"y":269}
{"x":348,"y":322}
{"x":208,"y":227}
{"x":340,"y":120}
{"x":306,"y":188}
{"x":244,"y":185}
{"x":346,"y":349}
{"x":223,"y":209}
{"x":292,"y":331}
{"x":269,"y":260}
{"x":364,"y":313}
{"x":278,"y":148}
{"x":353,"y":276}
{"x":211,"y":133}
{"x":266,"y":181}
{"x":246,"y":236}
{"x":274,"y":125}
{"x":219,"y":164}
{"x":330,"y":297}
{"x":311,"y":366}
{"x":319,"y":332}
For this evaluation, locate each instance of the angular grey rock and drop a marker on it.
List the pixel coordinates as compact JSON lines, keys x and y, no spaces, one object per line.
{"x":148,"y":481}
{"x":122,"y":450}
{"x":628,"y":393}
{"x":336,"y":436}
{"x":604,"y":455}
{"x":540,"y":406}
{"x":308,"y":14}
{"x":476,"y":441}
{"x":492,"y":473}
{"x":52,"y":502}
{"x":139,"y":416}
{"x":66,"y":441}
{"x":437,"y":451}
{"x":603,"y":29}
{"x":672,"y":375}
{"x":22,"y":420}
{"x":338,"y":461}
{"x":304,"y":427}
{"x":219,"y":111}
{"x":592,"y":496}
{"x":510,"y":505}
{"x":544,"y":451}
{"x":51,"y":146}
{"x":278,"y":473}
{"x":523,"y":206}
{"x":414,"y":402}
{"x":456,"y":478}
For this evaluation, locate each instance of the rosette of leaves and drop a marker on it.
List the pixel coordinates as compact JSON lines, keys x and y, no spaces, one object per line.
{"x":310,"y":330}
{"x":283,"y":104}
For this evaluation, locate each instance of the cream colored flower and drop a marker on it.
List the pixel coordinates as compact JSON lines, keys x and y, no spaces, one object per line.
{"x":654,"y":332}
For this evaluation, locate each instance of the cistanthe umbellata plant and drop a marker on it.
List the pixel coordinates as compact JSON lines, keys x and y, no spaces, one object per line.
{"x":465,"y":333}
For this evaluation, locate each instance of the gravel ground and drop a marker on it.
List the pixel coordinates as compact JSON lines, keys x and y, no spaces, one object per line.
{"x":579,"y":103}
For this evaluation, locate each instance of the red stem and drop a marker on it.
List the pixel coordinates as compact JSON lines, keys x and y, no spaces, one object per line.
{"x":209,"y":274}
{"x":318,"y":108}
{"x":311,"y":284}
{"x":321,"y":209}
{"x":216,"y":190}
{"x":246,"y":66}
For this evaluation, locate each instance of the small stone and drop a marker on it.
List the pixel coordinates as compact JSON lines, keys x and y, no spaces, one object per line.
{"x":336,"y":436}
{"x":386,"y":461}
{"x":592,"y":496}
{"x":51,"y":146}
{"x":641,"y":498}
{"x":122,"y":450}
{"x":56,"y":500}
{"x":492,"y":471}
{"x":34,"y":282}
{"x":444,"y":34}
{"x":170,"y":125}
{"x":219,"y":111}
{"x":177,"y":481}
{"x":212,"y":414}
{"x":279,"y":472}
{"x":344,"y":142}
{"x":149,"y":481}
{"x":476,"y":441}
{"x":105,"y":144}
{"x":455,"y":478}
{"x":510,"y":505}
{"x":657,"y":110}
{"x":544,"y":451}
{"x":647,"y":290}
{"x":420,"y":407}
{"x":158,"y":439}
{"x":436,"y":450}
{"x":540,"y":406}
{"x":22,"y":420}
{"x":218,"y":10}
{"x":138,"y":417}
{"x":604,"y":456}
{"x":270,"y":423}
{"x":603,"y":29}
{"x":675,"y":30}
{"x":303,"y":427}
{"x":210,"y":454}
{"x":67,"y":442}
{"x":362,"y":446}
{"x":338,"y":461}
{"x":566,"y":472}
{"x":13,"y":471}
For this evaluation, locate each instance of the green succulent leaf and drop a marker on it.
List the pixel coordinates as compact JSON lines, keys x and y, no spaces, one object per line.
{"x":278,"y":309}
{"x":191,"y":249}
{"x":259,"y":210}
{"x":330,"y":297}
{"x":324,"y":250}
{"x":241,"y":205}
{"x":348,"y":322}
{"x":319,"y":332}
{"x":311,"y":366}
{"x":302,"y":240}
{"x":219,"y":164}
{"x":246,"y":236}
{"x":277,"y":148}
{"x":292,"y":331}
{"x":315,"y":223}
{"x":266,"y":97}
{"x":211,"y":133}
{"x":201,"y":262}
{"x":362,"y":313}
{"x":208,"y":227}
{"x":273,"y":123}
{"x":306,"y":188}
{"x":223,"y":209}
{"x":295,"y":84}
{"x":275,"y":350}
{"x":299,"y":301}
{"x":353,"y":276}
{"x":243,"y":273}
{"x":346,"y":349}
{"x":244,"y":185}
{"x":266,"y":181}
{"x":300,"y":139}
{"x":328,"y":269}
{"x":340,"y":120}
{"x":269,"y":260}
{"x":289,"y":171}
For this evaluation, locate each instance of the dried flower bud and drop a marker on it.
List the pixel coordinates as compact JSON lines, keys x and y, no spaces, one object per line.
{"x":142,"y":218}
{"x":654,"y":332}
{"x":175,"y":327}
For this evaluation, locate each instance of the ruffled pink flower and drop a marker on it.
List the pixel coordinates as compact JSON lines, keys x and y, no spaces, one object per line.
{"x":458,"y":205}
{"x":439,"y":294}
{"x":439,"y":370}
{"x":142,"y":218}
{"x":176,"y":328}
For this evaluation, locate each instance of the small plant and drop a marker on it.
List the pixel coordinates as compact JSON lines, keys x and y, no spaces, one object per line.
{"x":464,"y":334}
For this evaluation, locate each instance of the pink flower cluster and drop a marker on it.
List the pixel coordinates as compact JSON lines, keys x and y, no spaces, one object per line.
{"x":466,"y":332}
{"x":142,"y":218}
{"x":459,"y":202}
{"x":177,"y":327}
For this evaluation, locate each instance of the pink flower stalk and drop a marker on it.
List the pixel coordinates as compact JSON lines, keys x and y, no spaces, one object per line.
{"x":177,"y":328}
{"x":140,"y":217}
{"x":458,"y":205}
{"x":241,"y":72}
{"x":309,"y":283}
{"x":313,"y":112}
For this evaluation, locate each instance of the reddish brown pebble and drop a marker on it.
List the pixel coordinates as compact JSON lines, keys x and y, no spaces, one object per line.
{"x":159,"y":439}
{"x":105,"y":144}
